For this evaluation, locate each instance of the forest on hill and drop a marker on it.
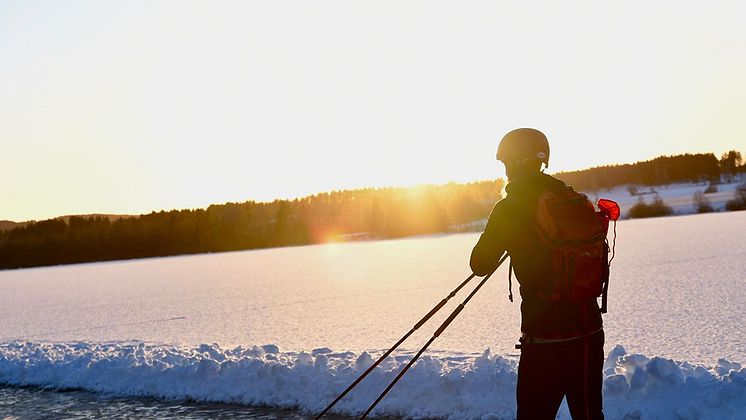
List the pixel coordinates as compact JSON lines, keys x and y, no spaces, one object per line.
{"x":662,"y":170}
{"x":325,"y":217}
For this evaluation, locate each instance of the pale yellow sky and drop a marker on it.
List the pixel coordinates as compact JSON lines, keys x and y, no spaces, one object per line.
{"x":133,"y":106}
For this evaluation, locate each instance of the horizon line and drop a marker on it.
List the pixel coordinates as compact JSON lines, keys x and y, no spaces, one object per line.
{"x":403,"y":186}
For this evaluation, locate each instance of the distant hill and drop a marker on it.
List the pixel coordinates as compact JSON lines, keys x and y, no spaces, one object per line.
{"x":326,"y":217}
{"x":6,"y":225}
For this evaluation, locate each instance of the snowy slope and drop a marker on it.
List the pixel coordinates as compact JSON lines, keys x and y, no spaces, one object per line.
{"x":678,"y":196}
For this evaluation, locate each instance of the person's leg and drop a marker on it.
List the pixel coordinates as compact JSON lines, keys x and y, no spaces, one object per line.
{"x":585,"y":377}
{"x":541,"y":382}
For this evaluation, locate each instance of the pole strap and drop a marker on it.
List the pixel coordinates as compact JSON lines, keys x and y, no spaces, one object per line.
{"x":510,"y":280}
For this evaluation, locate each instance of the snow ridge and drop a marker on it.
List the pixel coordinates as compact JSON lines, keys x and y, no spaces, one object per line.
{"x":452,"y":386}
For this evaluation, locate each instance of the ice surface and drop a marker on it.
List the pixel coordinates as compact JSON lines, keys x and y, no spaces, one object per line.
{"x":453,"y":386}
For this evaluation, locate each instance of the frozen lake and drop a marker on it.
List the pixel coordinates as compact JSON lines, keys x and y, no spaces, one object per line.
{"x":678,"y":285}
{"x":678,"y":289}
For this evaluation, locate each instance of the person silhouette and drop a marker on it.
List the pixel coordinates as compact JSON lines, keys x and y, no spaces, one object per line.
{"x":561,"y":340}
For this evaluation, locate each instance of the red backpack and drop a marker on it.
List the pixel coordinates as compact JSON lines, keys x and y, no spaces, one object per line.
{"x":568,"y":223}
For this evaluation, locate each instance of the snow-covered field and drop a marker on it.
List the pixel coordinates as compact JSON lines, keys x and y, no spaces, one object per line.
{"x":678,"y":196}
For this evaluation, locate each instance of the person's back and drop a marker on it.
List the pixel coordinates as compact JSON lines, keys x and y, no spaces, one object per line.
{"x":562,"y":340}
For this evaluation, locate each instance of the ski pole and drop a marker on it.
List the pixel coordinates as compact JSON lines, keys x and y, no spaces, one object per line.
{"x":437,"y":333}
{"x":398,"y":343}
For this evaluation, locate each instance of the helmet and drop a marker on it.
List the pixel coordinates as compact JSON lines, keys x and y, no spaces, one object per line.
{"x":523,"y":144}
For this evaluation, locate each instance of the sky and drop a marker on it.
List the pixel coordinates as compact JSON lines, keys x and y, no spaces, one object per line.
{"x":134,"y":106}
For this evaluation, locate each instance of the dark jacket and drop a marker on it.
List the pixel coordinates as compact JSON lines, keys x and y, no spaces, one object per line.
{"x":512,"y":227}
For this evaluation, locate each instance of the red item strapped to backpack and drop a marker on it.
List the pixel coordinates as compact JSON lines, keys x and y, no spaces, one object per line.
{"x":609,"y":209}
{"x":568,"y":223}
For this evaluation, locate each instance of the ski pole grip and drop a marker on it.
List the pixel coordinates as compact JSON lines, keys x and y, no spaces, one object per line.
{"x":430,"y":314}
{"x":448,"y":321}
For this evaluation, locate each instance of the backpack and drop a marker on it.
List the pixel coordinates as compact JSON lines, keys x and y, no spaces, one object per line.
{"x":575,"y":233}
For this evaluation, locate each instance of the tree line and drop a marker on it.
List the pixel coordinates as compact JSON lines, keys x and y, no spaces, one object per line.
{"x":340,"y":215}
{"x":335,"y":216}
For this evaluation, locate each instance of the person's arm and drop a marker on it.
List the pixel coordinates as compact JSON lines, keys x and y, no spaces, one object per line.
{"x":493,"y":242}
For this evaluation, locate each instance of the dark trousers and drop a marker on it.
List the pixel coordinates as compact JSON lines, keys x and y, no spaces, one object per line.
{"x":549,"y":372}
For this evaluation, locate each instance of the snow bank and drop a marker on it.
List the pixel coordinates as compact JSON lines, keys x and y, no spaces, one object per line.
{"x":451,"y":386}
